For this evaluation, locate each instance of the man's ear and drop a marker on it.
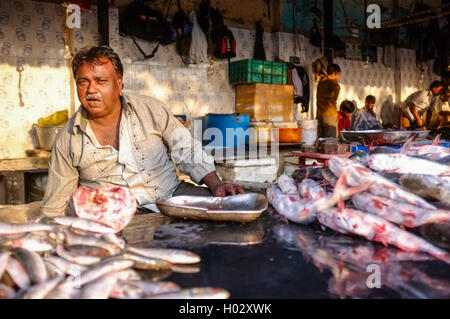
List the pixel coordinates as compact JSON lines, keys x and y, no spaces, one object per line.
{"x":120,"y":85}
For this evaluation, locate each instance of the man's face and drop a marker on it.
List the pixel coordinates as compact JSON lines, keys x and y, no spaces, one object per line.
{"x":98,"y":88}
{"x":436,"y":90}
{"x":336,"y":76}
{"x":370,"y":106}
{"x":444,"y":97}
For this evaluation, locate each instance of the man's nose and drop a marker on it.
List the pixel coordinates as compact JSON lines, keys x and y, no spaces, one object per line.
{"x":92,"y":87}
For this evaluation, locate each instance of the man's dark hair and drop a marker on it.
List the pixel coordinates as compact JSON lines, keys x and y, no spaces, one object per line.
{"x":370,"y":99}
{"x":333,"y":68}
{"x":347,"y":106}
{"x":93,"y":55}
{"x":435,"y":84}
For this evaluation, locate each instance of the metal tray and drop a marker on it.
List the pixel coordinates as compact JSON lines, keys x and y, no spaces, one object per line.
{"x":382,"y":137}
{"x":238,"y":208}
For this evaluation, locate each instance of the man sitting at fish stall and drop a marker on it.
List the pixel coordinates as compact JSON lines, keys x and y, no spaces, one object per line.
{"x":416,"y":105}
{"x":366,"y":119}
{"x":118,"y":140}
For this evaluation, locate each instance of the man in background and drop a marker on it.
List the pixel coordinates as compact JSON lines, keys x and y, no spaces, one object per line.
{"x":327,"y":94}
{"x":366,"y":119}
{"x":418,"y":104}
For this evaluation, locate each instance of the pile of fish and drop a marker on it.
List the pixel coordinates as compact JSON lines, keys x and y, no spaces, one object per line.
{"x":70,"y":257}
{"x":385,"y":196}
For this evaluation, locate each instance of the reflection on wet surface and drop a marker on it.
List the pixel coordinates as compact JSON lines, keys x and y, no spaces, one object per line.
{"x":268,"y":258}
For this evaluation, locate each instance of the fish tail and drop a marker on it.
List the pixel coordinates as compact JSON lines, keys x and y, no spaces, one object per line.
{"x":436,"y":140}
{"x":342,"y":190}
{"x":407,"y":144}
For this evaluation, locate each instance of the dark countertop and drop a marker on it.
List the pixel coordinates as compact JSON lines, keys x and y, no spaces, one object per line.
{"x":268,"y":258}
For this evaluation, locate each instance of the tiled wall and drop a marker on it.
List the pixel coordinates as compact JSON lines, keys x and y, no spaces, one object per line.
{"x":31,"y":34}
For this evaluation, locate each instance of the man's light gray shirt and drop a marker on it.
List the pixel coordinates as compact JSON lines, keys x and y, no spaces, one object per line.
{"x":151,"y":140}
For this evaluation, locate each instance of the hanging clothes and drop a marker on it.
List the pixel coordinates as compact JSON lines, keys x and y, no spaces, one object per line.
{"x":259,"y":53}
{"x":300,"y":80}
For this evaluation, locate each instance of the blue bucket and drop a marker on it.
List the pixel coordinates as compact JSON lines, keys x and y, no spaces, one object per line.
{"x":218,"y":126}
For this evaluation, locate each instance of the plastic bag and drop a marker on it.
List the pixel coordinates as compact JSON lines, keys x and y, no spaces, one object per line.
{"x":198,"y":51}
{"x":56,"y":119}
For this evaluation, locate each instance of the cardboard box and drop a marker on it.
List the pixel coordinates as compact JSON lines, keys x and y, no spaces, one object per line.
{"x":265,"y":102}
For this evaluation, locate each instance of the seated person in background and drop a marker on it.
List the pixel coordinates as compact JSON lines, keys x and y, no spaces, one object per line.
{"x":345,"y":110}
{"x":416,"y":105}
{"x":443,"y":107}
{"x":366,"y":119}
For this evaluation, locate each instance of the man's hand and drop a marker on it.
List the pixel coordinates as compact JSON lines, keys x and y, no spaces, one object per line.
{"x":224,"y":189}
{"x":220,"y":189}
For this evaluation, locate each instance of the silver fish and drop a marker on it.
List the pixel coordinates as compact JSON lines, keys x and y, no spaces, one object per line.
{"x":403,"y":164}
{"x":84,"y":224}
{"x":88,"y":251}
{"x":136,"y":289}
{"x":100,"y":288}
{"x":4,"y":256}
{"x":74,"y":239}
{"x":8,"y":228}
{"x":141,"y":262}
{"x":18,"y":273}
{"x":113,"y":239}
{"x":195,"y":293}
{"x":6,"y":292}
{"x":357,"y":175}
{"x":185,"y":269}
{"x":65,"y":266}
{"x":174,"y":256}
{"x":39,"y":291}
{"x":61,"y":292}
{"x":96,"y":272}
{"x":33,"y":263}
{"x":128,"y":274}
{"x":399,"y":213}
{"x":372,"y":227}
{"x":31,"y":242}
{"x":52,"y":270}
{"x":75,"y":258}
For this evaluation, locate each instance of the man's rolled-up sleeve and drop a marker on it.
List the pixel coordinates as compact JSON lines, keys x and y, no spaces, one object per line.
{"x":62,"y":181}
{"x":186,"y":152}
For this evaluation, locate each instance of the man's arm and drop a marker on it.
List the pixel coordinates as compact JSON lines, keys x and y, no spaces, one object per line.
{"x":413,"y":110}
{"x":62,"y":181}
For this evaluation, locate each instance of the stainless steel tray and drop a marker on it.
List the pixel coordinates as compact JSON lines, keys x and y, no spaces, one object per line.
{"x":382,"y":137}
{"x":238,"y":208}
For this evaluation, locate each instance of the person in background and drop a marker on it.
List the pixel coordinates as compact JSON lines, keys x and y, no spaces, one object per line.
{"x":366,"y":119}
{"x":327,"y":95}
{"x":416,"y":105}
{"x":441,"y":111}
{"x":345,"y":111}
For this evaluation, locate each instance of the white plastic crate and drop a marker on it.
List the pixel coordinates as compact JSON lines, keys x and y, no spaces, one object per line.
{"x":251,"y":170}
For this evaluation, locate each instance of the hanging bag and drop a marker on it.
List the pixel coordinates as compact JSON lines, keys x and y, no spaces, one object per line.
{"x":140,"y":21}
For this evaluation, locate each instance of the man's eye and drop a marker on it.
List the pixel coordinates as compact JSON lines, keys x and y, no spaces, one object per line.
{"x":101,"y":81}
{"x":82,"y":82}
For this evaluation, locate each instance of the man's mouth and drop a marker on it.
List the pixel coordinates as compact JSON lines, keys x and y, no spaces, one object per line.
{"x":93,"y":97}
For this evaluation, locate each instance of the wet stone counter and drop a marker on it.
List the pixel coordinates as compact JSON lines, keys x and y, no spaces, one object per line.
{"x":268,"y":258}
